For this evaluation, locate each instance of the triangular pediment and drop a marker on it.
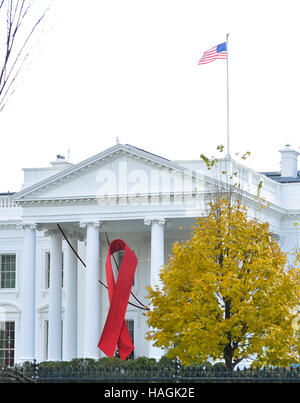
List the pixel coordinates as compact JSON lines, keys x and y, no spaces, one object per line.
{"x":120,"y":170}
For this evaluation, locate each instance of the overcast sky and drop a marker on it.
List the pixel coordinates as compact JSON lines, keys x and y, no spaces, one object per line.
{"x":128,"y":69}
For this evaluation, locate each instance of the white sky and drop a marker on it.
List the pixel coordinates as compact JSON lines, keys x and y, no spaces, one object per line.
{"x":128,"y":68}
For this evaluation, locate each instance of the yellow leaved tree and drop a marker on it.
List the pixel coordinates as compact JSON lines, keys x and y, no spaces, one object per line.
{"x":227,"y":293}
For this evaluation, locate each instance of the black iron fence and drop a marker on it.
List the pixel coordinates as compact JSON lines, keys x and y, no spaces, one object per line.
{"x":174,"y":373}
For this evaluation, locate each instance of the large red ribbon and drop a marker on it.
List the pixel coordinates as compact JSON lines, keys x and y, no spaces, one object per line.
{"x":115,"y":331}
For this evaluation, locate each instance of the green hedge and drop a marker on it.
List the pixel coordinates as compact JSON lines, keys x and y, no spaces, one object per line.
{"x":89,"y":364}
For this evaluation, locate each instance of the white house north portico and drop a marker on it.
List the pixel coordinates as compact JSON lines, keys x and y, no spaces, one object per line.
{"x":54,"y":237}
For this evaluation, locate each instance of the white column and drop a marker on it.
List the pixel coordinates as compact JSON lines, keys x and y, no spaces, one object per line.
{"x":157,"y":248}
{"x":27,"y":336}
{"x":55,"y":297}
{"x":92,"y":290}
{"x":70,"y":286}
{"x":157,"y":261}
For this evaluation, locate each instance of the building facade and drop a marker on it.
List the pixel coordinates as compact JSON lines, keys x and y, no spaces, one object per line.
{"x":54,"y":236}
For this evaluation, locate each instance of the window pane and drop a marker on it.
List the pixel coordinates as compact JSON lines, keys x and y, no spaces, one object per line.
{"x":130,"y":325}
{"x":7,"y":343}
{"x":46,"y":339}
{"x":119,"y":259}
{"x":8,"y":271}
{"x":46,"y":332}
{"x":47,"y":282}
{"x":47,"y":274}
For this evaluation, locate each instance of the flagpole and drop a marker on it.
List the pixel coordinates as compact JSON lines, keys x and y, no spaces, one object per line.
{"x":228,"y":142}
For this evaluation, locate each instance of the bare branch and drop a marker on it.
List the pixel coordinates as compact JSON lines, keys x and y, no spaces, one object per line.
{"x":21,"y":26}
{"x":7,"y":94}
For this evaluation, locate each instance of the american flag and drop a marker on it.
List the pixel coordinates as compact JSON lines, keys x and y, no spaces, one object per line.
{"x":217,"y":52}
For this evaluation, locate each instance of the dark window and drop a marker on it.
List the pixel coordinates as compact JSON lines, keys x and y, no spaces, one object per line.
{"x":46,"y":339}
{"x":8,"y":271}
{"x":130,"y":325}
{"x":7,"y":344}
{"x":47,"y":276}
{"x":47,"y":282}
{"x":119,"y":259}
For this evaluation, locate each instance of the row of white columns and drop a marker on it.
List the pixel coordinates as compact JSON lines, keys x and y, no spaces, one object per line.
{"x":92,"y":291}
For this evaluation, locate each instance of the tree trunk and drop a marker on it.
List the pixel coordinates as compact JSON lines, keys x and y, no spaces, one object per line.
{"x":228,"y":364}
{"x":228,"y":350}
{"x":228,"y":356}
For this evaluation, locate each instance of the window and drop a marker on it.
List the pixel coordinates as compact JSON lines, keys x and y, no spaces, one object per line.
{"x":46,"y":339}
{"x":62,"y":270}
{"x":47,"y":277}
{"x":7,"y":344}
{"x":130,"y":325}
{"x":47,"y":270}
{"x":119,"y":259}
{"x":8,"y":271}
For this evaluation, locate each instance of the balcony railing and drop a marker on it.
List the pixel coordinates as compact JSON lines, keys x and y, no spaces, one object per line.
{"x":6,"y":201}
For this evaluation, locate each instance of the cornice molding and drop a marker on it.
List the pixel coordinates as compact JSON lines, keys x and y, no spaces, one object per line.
{"x":9,"y":226}
{"x":113,"y":198}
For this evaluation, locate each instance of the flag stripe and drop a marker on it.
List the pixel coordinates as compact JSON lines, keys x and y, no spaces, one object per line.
{"x":213,"y":54}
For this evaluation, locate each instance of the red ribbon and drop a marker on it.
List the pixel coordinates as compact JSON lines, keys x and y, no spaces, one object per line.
{"x":115,"y":331}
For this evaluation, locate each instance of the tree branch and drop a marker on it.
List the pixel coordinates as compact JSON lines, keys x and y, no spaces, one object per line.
{"x":14,"y":58}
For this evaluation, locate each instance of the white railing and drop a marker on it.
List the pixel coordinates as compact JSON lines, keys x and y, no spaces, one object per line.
{"x":6,"y":202}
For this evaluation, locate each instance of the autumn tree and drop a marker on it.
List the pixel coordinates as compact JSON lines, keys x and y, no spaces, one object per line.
{"x":227,"y":293}
{"x":20,"y":20}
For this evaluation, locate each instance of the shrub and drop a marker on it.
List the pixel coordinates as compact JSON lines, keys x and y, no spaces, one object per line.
{"x":219,"y":366}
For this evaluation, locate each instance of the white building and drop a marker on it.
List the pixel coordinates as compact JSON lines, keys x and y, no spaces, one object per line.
{"x":51,"y":306}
